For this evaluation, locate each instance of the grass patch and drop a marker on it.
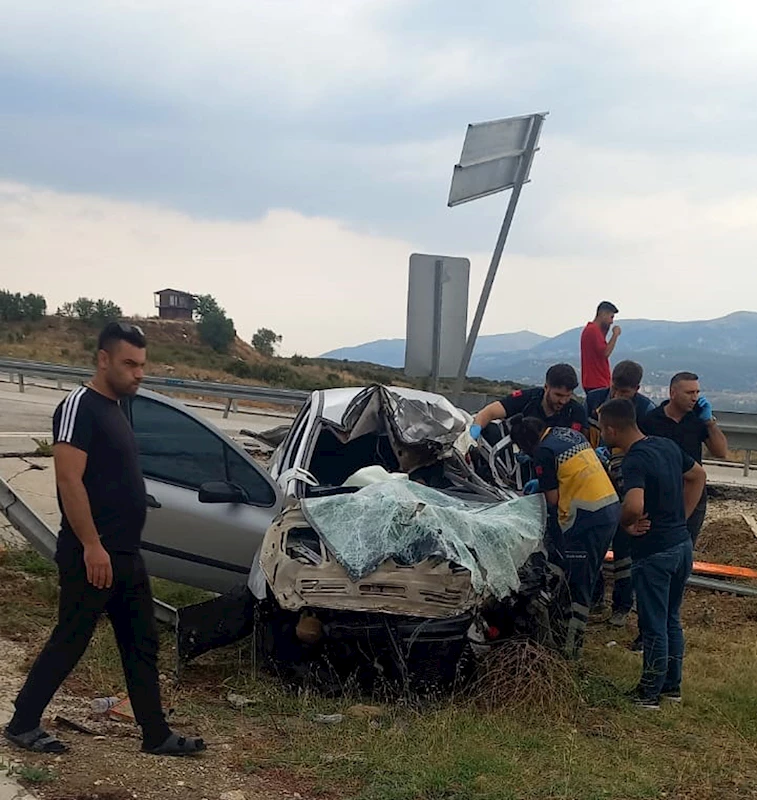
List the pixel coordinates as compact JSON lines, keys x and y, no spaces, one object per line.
{"x":33,"y":774}
{"x":567,"y":732}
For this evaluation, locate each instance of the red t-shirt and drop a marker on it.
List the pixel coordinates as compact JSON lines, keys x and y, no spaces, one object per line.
{"x":595,"y":366}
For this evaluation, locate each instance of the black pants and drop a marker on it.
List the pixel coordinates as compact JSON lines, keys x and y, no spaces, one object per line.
{"x":696,"y":520}
{"x":128,"y":604}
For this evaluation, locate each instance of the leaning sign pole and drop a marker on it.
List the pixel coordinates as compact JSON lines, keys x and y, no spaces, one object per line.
{"x":496,"y":155}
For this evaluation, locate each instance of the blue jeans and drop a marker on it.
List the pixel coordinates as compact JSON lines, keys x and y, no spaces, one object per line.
{"x":659,"y":581}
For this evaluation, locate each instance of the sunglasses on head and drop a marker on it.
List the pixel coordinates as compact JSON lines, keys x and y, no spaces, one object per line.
{"x":128,"y":328}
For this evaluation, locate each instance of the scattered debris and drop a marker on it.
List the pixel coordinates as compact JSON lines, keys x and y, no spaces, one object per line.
{"x":234,"y":794}
{"x":122,"y":711}
{"x":239,"y":700}
{"x":751,"y":522}
{"x":329,"y":719}
{"x":64,"y":722}
{"x":613,"y":643}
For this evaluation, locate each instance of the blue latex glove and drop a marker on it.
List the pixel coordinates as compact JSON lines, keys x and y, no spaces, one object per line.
{"x":603,"y":454}
{"x":522,"y":458}
{"x":532,"y":487}
{"x":703,"y":409}
{"x":475,"y":431}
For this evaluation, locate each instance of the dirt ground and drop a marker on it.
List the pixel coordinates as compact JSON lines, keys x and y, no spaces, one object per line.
{"x":726,"y":537}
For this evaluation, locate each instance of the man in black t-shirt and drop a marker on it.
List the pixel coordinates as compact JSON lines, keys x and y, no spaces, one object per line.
{"x":554,"y":404}
{"x":101,"y":494}
{"x":662,"y":486}
{"x":688,"y":420}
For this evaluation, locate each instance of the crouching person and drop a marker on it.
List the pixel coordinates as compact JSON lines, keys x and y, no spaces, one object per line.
{"x":662,"y":487}
{"x":584,"y":509}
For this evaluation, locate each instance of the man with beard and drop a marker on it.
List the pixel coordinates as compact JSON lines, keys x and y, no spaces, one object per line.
{"x":554,"y":404}
{"x":596,"y":350}
{"x":103,"y":502}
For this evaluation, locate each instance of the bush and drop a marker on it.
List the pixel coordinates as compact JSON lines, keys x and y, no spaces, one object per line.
{"x":298,"y":361}
{"x":217,"y":331}
{"x":241,"y":369}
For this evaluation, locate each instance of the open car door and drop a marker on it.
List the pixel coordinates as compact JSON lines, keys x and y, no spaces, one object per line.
{"x":209,"y":502}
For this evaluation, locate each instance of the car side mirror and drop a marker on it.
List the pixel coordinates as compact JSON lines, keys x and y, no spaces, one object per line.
{"x":222,"y":492}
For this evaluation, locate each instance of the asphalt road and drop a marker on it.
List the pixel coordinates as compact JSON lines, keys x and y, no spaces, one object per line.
{"x":24,"y":417}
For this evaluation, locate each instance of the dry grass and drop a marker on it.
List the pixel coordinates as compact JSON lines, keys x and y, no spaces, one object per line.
{"x":521,"y":677}
{"x":531,"y":727}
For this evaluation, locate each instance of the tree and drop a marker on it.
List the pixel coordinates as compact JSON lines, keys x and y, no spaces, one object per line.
{"x":206,"y":304}
{"x":33,"y":307}
{"x":10,"y":307}
{"x":84,"y":309}
{"x":66,"y":310}
{"x":217,"y":330}
{"x":265,"y":341}
{"x":105,"y":311}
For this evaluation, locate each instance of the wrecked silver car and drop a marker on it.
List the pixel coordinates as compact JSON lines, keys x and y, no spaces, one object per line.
{"x":393,"y":562}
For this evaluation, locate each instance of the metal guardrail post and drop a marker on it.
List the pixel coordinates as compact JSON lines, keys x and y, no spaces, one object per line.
{"x":21,"y":387}
{"x":227,"y":408}
{"x":747,"y":462}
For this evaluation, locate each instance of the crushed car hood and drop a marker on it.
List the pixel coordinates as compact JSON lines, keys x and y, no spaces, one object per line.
{"x":409,"y":523}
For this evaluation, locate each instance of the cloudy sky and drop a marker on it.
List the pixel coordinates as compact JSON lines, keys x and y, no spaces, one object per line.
{"x":287,"y":156}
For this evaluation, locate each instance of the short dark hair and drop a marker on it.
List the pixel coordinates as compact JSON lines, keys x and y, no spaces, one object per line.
{"x":627,"y":375}
{"x":606,"y":307}
{"x":562,"y":376}
{"x":526,"y":432}
{"x":619,"y":413}
{"x":121,"y":332}
{"x":683,"y":376}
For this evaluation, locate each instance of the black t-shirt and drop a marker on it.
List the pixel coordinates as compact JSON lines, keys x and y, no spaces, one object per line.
{"x":89,"y":421}
{"x":689,"y":433}
{"x":528,"y":402}
{"x":657,"y":466}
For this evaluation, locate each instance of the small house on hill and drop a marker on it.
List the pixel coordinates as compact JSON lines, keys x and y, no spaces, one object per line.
{"x":174,"y":304}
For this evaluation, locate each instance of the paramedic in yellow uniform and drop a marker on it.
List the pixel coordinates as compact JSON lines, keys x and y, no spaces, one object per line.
{"x":584,"y":509}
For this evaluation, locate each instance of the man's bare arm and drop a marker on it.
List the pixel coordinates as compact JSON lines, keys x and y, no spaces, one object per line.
{"x":70,"y":463}
{"x":490,"y":413}
{"x":613,"y":341}
{"x":693,"y":486}
{"x":632,"y":510}
{"x":716,"y":442}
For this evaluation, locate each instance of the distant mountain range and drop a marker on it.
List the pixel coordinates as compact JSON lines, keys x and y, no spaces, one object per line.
{"x":722,"y":351}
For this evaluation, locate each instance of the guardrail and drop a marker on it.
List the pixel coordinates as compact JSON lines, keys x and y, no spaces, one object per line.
{"x":227,"y":391}
{"x":739,"y":427}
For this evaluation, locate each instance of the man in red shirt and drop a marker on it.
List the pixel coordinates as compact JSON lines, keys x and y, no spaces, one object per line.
{"x":596,"y":350}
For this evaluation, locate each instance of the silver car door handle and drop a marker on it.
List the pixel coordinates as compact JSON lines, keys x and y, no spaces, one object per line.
{"x":152,"y":502}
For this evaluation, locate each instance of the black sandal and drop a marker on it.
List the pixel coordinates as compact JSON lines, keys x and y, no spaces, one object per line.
{"x":37,"y":741}
{"x":176,"y":745}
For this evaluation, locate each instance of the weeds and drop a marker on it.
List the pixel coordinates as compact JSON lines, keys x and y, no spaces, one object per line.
{"x":44,"y":448}
{"x":28,"y":773}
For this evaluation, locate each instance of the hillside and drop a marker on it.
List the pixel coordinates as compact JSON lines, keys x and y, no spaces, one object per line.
{"x":722,"y":351}
{"x":391,"y":352}
{"x":174,"y":348}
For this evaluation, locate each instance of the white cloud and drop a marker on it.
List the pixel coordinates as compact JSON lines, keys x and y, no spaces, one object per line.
{"x":322,"y":286}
